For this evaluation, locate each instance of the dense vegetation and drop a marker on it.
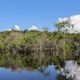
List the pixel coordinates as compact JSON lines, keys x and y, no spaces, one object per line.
{"x":17,"y":46}
{"x":36,"y":48}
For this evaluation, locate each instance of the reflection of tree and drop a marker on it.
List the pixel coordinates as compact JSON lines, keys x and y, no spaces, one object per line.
{"x":44,"y":71}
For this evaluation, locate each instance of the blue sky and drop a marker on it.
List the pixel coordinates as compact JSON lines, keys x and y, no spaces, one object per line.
{"x":42,"y":13}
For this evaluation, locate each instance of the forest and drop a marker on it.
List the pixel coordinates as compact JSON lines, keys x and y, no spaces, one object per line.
{"x":33,"y":48}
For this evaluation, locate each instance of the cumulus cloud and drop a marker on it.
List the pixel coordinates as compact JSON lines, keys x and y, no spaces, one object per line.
{"x":9,"y":29}
{"x":62,"y":19}
{"x":33,"y":27}
{"x":75,"y":20}
{"x":16,"y":27}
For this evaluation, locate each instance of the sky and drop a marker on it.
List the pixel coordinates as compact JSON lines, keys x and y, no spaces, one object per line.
{"x":41,"y":13}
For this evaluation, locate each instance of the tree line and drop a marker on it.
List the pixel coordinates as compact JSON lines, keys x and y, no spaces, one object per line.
{"x":45,"y":46}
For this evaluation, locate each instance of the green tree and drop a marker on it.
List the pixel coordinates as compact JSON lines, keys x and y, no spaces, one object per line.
{"x":62,"y":26}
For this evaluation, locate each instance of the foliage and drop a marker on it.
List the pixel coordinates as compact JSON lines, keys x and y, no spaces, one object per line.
{"x":21,"y":47}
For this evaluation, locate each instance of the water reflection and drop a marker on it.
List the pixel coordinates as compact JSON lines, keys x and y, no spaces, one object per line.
{"x":48,"y":73}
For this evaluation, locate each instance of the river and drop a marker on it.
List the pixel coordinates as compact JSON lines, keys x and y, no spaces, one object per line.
{"x":48,"y":73}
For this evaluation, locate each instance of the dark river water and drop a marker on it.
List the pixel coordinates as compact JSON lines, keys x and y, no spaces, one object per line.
{"x":48,"y":73}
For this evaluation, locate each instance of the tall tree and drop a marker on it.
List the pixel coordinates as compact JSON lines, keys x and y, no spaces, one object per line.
{"x":62,"y":26}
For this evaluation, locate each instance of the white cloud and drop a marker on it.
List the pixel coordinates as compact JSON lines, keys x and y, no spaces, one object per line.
{"x":9,"y":29}
{"x":33,"y":27}
{"x":16,"y":27}
{"x":75,"y":20}
{"x":62,"y":19}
